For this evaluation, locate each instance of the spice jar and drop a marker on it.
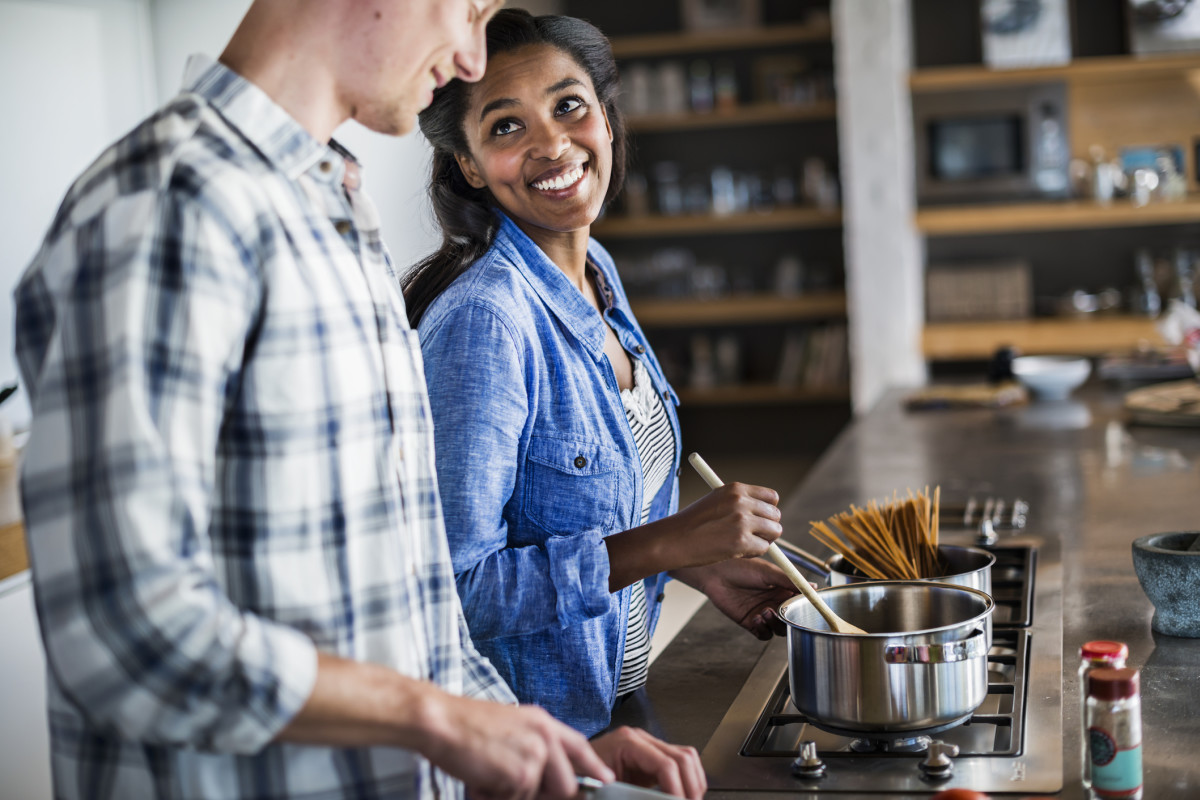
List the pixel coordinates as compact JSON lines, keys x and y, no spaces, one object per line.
{"x":1094,"y":655}
{"x":1114,"y":727}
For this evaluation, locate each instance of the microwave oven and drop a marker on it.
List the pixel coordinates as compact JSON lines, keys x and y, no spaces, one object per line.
{"x":989,"y":145}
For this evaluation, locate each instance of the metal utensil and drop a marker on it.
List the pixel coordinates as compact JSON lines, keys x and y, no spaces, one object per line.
{"x":838,"y":624}
{"x":596,"y":790}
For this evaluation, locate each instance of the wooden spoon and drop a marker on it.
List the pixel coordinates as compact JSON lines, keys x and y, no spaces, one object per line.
{"x":838,"y":624}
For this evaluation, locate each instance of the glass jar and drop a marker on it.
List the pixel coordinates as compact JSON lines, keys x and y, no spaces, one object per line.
{"x":1094,"y":655}
{"x":1114,"y":726}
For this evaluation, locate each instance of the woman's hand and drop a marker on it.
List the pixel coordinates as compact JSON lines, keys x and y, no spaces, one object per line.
{"x":736,"y":520}
{"x":639,"y":758}
{"x":747,"y":590}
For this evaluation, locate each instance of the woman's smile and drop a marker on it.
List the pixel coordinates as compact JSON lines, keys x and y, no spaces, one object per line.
{"x":561,"y":182}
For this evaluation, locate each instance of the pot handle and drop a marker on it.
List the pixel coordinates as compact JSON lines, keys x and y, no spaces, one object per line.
{"x":803,"y":558}
{"x":973,"y":646}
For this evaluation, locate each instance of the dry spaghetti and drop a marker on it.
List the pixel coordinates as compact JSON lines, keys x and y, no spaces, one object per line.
{"x":896,"y":540}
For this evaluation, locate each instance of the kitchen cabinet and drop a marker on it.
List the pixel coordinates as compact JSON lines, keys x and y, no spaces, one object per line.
{"x":1114,"y":101}
{"x":729,"y":232}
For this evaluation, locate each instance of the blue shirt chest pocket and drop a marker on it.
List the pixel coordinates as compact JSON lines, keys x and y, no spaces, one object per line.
{"x":572,"y":486}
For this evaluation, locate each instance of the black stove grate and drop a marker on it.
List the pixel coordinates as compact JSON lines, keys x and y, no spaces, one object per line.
{"x":994,"y":729}
{"x":1013,"y":585}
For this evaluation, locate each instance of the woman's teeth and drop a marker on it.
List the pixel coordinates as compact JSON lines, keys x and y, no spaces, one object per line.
{"x":560,"y":182}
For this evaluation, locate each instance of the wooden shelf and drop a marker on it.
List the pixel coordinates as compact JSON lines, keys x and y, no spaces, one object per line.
{"x":664,"y":44}
{"x":739,"y":309}
{"x":1083,"y":70}
{"x":693,"y":224}
{"x":762,"y":394}
{"x":964,"y":341}
{"x":756,"y":114}
{"x":968,"y":220}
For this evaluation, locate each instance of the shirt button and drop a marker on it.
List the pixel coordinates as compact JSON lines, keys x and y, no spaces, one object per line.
{"x":640,"y":349}
{"x":326,"y":166}
{"x":580,"y":462}
{"x":343,"y":226}
{"x":666,"y":395}
{"x":661,"y":596}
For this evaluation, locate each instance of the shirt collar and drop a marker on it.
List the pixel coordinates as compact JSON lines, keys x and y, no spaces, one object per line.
{"x":552,"y":285}
{"x":274,"y":133}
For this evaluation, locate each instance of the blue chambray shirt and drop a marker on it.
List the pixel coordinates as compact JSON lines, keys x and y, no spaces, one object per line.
{"x":536,"y":465}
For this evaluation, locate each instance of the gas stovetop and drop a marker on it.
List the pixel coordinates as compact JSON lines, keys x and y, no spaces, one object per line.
{"x":1011,"y":743}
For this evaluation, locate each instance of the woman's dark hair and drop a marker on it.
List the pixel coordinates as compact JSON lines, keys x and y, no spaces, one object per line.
{"x":465,"y":213}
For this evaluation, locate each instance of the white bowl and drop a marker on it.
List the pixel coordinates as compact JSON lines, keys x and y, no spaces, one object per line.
{"x":1051,"y":377}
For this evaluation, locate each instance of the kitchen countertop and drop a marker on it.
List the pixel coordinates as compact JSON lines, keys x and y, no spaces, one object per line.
{"x":1093,"y":485}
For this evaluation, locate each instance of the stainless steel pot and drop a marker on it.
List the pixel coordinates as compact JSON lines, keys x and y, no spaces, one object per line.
{"x":967,"y":566}
{"x":921,"y":667}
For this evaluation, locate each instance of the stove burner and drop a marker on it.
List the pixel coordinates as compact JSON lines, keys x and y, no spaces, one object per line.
{"x":914,"y":741}
{"x":912,"y":744}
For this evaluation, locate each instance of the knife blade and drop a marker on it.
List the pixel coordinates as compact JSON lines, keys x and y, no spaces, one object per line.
{"x":592,"y":789}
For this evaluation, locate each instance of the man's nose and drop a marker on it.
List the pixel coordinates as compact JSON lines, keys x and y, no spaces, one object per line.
{"x":470,"y":62}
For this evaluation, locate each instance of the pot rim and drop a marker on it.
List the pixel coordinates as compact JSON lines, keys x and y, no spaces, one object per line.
{"x":989,"y":607}
{"x":838,"y":559}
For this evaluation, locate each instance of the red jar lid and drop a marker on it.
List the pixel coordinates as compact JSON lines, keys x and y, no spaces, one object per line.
{"x":1103,"y":650}
{"x":1113,"y":684}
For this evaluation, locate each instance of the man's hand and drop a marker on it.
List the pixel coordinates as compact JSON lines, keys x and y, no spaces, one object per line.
{"x":501,"y":751}
{"x":639,"y":758}
{"x":498,"y":751}
{"x":747,"y":590}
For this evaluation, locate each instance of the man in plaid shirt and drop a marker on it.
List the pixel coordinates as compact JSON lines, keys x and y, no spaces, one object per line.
{"x":240,"y":570}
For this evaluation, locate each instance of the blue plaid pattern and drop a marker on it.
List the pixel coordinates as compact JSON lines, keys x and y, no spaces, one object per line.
{"x":231,"y":463}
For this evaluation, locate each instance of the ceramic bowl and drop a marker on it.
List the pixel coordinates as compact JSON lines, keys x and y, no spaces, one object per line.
{"x":1170,"y":577}
{"x":1051,"y":377}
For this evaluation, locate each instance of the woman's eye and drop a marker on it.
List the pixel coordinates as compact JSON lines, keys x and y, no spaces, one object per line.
{"x":504,"y":127}
{"x":568,"y":105}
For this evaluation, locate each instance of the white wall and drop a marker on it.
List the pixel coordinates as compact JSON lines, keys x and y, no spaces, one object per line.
{"x":884,"y":253}
{"x":76,"y":76}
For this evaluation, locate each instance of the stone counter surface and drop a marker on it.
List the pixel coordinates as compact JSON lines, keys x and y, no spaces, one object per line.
{"x":1093,"y":485}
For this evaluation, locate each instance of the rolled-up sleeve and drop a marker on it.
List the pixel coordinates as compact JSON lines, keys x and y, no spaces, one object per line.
{"x":480,"y":409}
{"x":128,"y":369}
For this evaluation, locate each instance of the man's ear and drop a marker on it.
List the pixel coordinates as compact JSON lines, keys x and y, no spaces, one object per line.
{"x":467,"y":165}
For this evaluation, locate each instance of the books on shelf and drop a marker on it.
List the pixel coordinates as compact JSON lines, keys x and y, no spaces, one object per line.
{"x":814,"y":357}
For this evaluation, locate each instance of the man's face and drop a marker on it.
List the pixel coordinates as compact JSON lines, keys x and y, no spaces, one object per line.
{"x":404,"y":49}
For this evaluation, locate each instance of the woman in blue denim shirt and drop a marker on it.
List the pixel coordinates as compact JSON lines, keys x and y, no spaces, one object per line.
{"x":556,"y":433}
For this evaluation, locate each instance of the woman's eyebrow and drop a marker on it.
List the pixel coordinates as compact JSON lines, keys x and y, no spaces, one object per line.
{"x":508,"y":102}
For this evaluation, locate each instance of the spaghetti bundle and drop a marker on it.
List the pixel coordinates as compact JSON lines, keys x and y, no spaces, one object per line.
{"x":896,"y":540}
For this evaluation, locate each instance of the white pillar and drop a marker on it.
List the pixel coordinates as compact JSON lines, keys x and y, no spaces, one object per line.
{"x":883,"y":251}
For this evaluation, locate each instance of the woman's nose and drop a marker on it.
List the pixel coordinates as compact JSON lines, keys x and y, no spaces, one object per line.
{"x":550,"y":141}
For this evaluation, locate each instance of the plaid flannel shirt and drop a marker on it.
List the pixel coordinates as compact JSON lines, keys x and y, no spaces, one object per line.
{"x":230,"y":465}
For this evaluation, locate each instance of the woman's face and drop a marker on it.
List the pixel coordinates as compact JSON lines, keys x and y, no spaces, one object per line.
{"x":539,"y":140}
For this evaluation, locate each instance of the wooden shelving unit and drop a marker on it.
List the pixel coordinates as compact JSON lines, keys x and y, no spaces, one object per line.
{"x":755,"y":114}
{"x":1104,"y":69}
{"x":968,"y":220}
{"x":696,"y":224}
{"x":965,"y":341}
{"x":739,"y":309}
{"x":758,"y":136}
{"x":665,"y":44}
{"x":762,"y":395}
